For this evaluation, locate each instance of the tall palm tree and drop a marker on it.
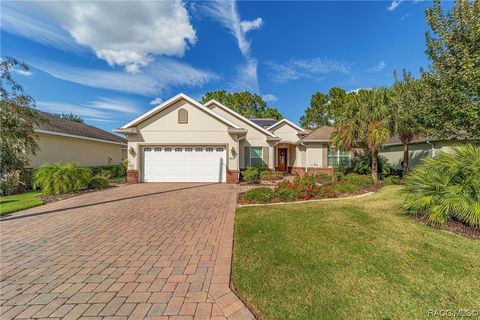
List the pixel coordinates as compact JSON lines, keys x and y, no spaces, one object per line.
{"x":406,"y":103}
{"x":366,"y":122}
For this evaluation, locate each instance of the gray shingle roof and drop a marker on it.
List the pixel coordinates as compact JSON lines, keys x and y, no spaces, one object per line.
{"x":322,"y":133}
{"x":49,"y":122}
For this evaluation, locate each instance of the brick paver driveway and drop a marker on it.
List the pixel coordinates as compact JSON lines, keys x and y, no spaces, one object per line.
{"x":157,"y":251}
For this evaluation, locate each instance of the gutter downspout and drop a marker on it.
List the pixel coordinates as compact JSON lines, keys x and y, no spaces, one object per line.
{"x":433,"y":147}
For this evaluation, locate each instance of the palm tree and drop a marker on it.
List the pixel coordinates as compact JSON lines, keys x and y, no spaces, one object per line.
{"x":406,"y":103}
{"x":365,"y":122}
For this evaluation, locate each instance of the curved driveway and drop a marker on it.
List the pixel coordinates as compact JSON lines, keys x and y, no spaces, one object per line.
{"x":156,"y":251}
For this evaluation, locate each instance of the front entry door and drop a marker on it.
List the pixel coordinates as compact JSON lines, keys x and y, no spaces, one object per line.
{"x":282,"y":160}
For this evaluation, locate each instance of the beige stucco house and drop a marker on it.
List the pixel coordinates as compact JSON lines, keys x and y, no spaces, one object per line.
{"x":61,"y":140}
{"x":182,"y":140}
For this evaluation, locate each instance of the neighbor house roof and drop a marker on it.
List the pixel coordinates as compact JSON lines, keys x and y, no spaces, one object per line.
{"x":395,"y":140}
{"x":321,"y":134}
{"x":50,"y":124}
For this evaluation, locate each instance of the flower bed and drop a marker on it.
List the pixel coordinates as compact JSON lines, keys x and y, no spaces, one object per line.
{"x":309,"y":187}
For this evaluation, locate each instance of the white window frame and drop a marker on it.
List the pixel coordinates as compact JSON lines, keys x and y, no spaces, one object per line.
{"x":337,"y":157}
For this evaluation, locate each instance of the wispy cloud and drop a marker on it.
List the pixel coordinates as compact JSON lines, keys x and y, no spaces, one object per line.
{"x":156,"y":101}
{"x":226,"y":13}
{"x":23,"y":72}
{"x":394,"y":4}
{"x":154,"y":28}
{"x":378,"y":67}
{"x":156,"y":79}
{"x":294,"y":69}
{"x":269,"y":97}
{"x":96,"y":110}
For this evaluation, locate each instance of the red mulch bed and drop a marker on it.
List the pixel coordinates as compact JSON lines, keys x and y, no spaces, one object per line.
{"x":454,"y":226}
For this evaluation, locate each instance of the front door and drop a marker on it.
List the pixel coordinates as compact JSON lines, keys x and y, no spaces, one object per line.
{"x":282,"y":160}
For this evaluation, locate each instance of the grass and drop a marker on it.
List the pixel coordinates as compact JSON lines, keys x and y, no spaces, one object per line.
{"x":10,"y":204}
{"x":351,"y":259}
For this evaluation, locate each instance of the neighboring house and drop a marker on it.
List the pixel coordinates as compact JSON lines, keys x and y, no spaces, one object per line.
{"x":182,"y":140}
{"x":62,"y":140}
{"x":418,"y":149}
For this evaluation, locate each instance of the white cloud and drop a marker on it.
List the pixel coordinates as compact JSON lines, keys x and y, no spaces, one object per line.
{"x":158,"y":77}
{"x":125,"y":33}
{"x":97,"y":110}
{"x":246,"y":26}
{"x":23,"y":72}
{"x":394,"y":4}
{"x":156,"y":101}
{"x":295,"y":69}
{"x":378,"y":67}
{"x":269,"y":97}
{"x":226,"y":13}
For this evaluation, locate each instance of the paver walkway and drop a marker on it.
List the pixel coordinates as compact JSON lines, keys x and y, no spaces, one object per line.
{"x":156,"y":251}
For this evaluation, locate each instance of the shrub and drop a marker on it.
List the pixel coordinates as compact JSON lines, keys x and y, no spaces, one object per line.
{"x":251,"y":175}
{"x":326,"y":191}
{"x":392,"y":180}
{"x":323,"y":178}
{"x":271,"y":175}
{"x":8,"y":184}
{"x":446,"y":187}
{"x":26,"y":179}
{"x":346,"y":187}
{"x":361,"y":181}
{"x":124,"y":168}
{"x":286,"y":194}
{"x":306,"y":180}
{"x":98,"y":182}
{"x":306,"y":186}
{"x":259,"y":195}
{"x":60,"y":177}
{"x":362,"y":164}
{"x":116,"y":170}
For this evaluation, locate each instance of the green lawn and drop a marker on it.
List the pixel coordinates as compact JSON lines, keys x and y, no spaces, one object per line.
{"x":351,"y":259}
{"x":19,"y":202}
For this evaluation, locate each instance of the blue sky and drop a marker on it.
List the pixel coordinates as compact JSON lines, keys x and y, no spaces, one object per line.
{"x":111,"y":61}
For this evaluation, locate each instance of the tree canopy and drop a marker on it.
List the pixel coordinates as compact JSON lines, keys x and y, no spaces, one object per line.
{"x":453,"y":78}
{"x":246,"y":103}
{"x":69,"y":116}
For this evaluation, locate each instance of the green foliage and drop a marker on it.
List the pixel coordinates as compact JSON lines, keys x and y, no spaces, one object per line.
{"x":58,"y":178}
{"x":124,"y":167}
{"x":259,"y":195}
{"x":98,"y":182}
{"x":453,"y":79}
{"x":305,"y":186}
{"x":446,"y":187}
{"x":17,"y":120}
{"x":323,"y":178}
{"x":392,"y":180}
{"x":346,"y":187}
{"x":317,"y":114}
{"x":70,"y":117}
{"x":271,"y":175}
{"x":362,"y":164}
{"x":326,"y":191}
{"x":252,"y":174}
{"x":285,"y":193}
{"x":361,"y":181}
{"x":8,"y":184}
{"x":10,"y":204}
{"x":115,"y":171}
{"x":247,"y":104}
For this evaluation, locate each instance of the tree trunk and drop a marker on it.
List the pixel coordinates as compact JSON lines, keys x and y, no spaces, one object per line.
{"x":375,"y":165}
{"x":405,"y":159}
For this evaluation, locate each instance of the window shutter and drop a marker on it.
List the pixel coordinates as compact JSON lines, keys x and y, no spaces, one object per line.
{"x":247,"y":157}
{"x":265,"y":156}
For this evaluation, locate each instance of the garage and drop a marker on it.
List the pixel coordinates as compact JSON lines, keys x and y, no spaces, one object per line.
{"x":184,"y":164}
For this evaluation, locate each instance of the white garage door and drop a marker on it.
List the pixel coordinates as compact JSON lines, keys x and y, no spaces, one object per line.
{"x":184,"y":164}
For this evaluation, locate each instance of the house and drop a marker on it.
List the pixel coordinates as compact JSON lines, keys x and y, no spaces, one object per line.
{"x":182,"y":140}
{"x":61,"y":140}
{"x":419,"y":148}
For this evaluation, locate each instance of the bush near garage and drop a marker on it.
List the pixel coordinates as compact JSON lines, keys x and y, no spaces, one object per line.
{"x":58,"y":178}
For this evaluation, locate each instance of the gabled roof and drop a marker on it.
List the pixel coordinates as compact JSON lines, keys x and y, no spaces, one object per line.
{"x":238,"y":115}
{"x":173,"y":100}
{"x":264,"y":122}
{"x":321,"y":134}
{"x":50,"y":124}
{"x":284,"y":120}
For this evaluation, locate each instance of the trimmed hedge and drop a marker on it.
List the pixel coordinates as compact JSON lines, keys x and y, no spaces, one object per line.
{"x":116,"y":170}
{"x":98,"y":182}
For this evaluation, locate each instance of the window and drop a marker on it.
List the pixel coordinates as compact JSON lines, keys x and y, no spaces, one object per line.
{"x":157,"y":149}
{"x":219,"y":149}
{"x":342,"y":157}
{"x":188,"y":149}
{"x":168,"y":149}
{"x":198,"y":149}
{"x":209,"y":149}
{"x":182,"y":116}
{"x":147,"y":149}
{"x":178,"y":149}
{"x":256,"y":156}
